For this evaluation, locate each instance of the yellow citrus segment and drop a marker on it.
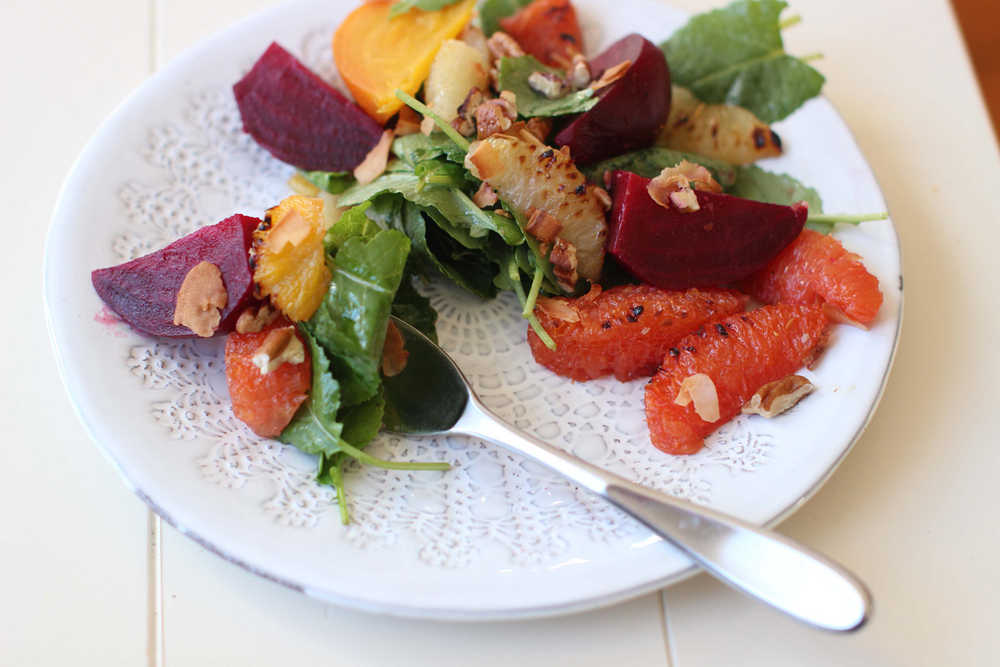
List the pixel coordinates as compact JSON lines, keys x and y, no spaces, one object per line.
{"x":289,"y":265}
{"x":376,"y":55}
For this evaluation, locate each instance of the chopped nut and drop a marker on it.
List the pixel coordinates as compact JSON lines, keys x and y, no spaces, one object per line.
{"x":291,"y":229}
{"x":465,"y":121}
{"x":495,"y":116}
{"x":558,"y":308}
{"x":200,"y":300}
{"x":700,"y":390}
{"x":611,"y":74}
{"x":408,"y":122}
{"x":374,"y":163}
{"x":510,"y":97}
{"x":300,"y":185}
{"x":776,"y":397}
{"x":280,"y":346}
{"x":602,"y":196}
{"x":676,"y":185}
{"x":485,"y":196}
{"x":394,"y":352}
{"x":579,"y":72}
{"x":563,"y":259}
{"x":251,"y":321}
{"x":502,"y":45}
{"x":539,"y":127}
{"x":427,"y":125}
{"x":542,"y":225}
{"x":547,"y":84}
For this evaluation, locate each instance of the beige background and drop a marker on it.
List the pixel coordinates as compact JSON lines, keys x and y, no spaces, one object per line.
{"x":89,"y":577}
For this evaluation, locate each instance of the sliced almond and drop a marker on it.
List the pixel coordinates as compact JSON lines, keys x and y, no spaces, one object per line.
{"x":700,"y":390}
{"x":374,"y":163}
{"x":280,"y":346}
{"x":200,"y":300}
{"x":558,"y":308}
{"x":408,"y":122}
{"x":776,"y":397}
{"x":292,"y":229}
{"x":485,"y":196}
{"x":611,"y":74}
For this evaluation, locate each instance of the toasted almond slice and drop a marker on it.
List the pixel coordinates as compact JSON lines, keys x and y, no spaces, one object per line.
{"x":374,"y":163}
{"x":557,"y":308}
{"x":200,"y":300}
{"x":700,"y":390}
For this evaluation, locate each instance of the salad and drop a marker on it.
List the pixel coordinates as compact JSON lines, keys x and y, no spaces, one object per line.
{"x":615,"y":196}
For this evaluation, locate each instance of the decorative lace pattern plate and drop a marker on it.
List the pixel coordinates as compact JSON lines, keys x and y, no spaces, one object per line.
{"x":493,"y":512}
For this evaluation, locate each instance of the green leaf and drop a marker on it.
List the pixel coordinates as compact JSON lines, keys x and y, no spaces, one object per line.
{"x":333,"y":182}
{"x":353,"y":222}
{"x":315,"y":428}
{"x":350,"y":323}
{"x":752,"y":182}
{"x":513,"y":76}
{"x":735,"y":55}
{"x":649,"y":162}
{"x":450,"y":250}
{"x":415,"y":148}
{"x":414,"y":308}
{"x":403,"y":6}
{"x":362,"y":422}
{"x":491,"y":11}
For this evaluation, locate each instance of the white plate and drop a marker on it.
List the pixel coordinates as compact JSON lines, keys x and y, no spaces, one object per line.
{"x":496,"y":537}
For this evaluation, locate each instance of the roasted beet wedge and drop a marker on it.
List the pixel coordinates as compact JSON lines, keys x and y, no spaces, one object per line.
{"x":300,"y":118}
{"x":726,"y":240}
{"x":144,"y":291}
{"x":631,"y":109}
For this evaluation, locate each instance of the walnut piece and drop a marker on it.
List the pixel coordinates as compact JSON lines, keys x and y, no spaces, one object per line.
{"x":611,"y":74}
{"x":564,"y":263}
{"x":280,"y":346}
{"x":539,"y":127}
{"x":549,"y":85}
{"x":579,"y":72}
{"x":200,"y":300}
{"x":495,"y":116}
{"x":543,"y":226}
{"x":251,"y":321}
{"x":502,"y":45}
{"x":776,"y":397}
{"x":465,"y":121}
{"x":676,"y":185}
{"x":700,"y":390}
{"x":485,"y":196}
{"x":374,"y":163}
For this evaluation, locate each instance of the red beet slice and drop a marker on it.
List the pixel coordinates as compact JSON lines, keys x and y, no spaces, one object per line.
{"x":143,"y":292}
{"x":301,"y":119}
{"x":631,"y":109}
{"x":726,"y":240}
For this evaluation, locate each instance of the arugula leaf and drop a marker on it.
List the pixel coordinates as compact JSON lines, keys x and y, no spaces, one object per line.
{"x":451,"y":202}
{"x":403,"y":6}
{"x":333,"y":182}
{"x":354,"y":221}
{"x":350,"y":323}
{"x":414,"y":148}
{"x":649,"y":162}
{"x":513,"y":76}
{"x":752,"y":182}
{"x":735,"y":55}
{"x":315,"y":428}
{"x":414,"y":308}
{"x":362,"y":422}
{"x":491,"y":11}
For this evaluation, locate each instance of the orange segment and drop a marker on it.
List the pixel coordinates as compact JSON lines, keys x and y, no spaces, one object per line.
{"x":265,"y":403}
{"x":739,"y":354}
{"x":289,"y":265}
{"x":624,"y":331}
{"x":816,"y":269}
{"x":376,"y":55}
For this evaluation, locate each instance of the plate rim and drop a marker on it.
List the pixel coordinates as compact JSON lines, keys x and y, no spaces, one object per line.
{"x":369,"y":606}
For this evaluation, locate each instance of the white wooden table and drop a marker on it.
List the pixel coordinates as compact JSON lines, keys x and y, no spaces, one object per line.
{"x":89,"y":577}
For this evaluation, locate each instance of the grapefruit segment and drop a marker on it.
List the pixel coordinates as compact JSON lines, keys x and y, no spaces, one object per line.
{"x":738,"y":354}
{"x":816,"y":269}
{"x":624,"y":331}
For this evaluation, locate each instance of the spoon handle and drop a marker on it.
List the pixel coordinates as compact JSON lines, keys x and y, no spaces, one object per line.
{"x":759,"y":562}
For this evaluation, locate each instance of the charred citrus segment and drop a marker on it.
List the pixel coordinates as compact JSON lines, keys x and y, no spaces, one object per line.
{"x":817,"y":269}
{"x":288,"y":256}
{"x":737,"y":354}
{"x":624,"y":331}
{"x":264,"y":402}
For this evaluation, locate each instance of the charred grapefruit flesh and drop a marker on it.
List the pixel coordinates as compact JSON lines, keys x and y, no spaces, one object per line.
{"x":624,"y":331}
{"x":817,"y":269}
{"x":739,"y":353}
{"x":265,"y":403}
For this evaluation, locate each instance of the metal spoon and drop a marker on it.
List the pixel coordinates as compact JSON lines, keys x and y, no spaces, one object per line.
{"x":432,"y":397}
